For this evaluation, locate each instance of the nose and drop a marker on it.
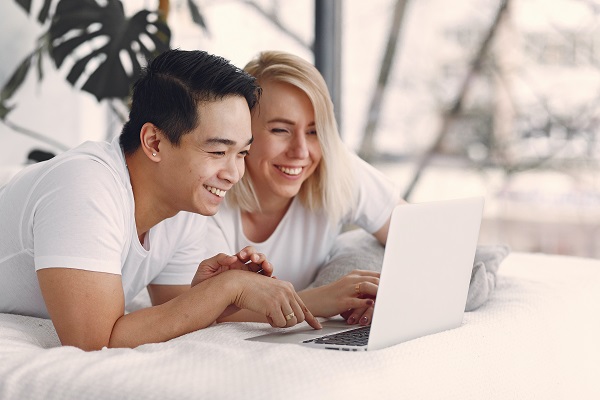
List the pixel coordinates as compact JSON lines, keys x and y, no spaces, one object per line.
{"x":233,"y":170}
{"x":298,"y":147}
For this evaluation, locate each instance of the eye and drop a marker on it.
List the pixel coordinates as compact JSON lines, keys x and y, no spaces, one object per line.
{"x":218,"y":153}
{"x":312,"y":132}
{"x":244,"y":153}
{"x":279,"y":130}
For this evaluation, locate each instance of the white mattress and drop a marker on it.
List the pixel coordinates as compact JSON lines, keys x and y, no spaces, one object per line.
{"x":537,"y":338}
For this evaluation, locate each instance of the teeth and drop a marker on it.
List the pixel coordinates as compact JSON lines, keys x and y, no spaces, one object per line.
{"x":291,"y":171}
{"x":218,"y":192}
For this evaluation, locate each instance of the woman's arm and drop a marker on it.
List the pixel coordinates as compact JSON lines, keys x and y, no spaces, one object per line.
{"x":354,"y":291}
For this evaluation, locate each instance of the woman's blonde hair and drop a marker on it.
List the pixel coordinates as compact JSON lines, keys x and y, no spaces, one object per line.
{"x":331,"y":186}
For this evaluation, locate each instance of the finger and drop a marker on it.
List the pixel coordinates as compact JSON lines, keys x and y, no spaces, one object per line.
{"x":246,"y":253}
{"x":367,"y":316}
{"x":357,"y":304}
{"x":298,"y":312}
{"x":272,"y":322}
{"x":365,"y":288}
{"x":311,"y":319}
{"x":308,"y":316}
{"x":257,"y":258}
{"x":224,"y":259}
{"x":266,"y":268}
{"x":355,"y":315}
{"x":277,"y":319}
{"x":291,"y":317}
{"x":346,"y":314}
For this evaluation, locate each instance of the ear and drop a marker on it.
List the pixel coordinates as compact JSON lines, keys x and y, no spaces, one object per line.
{"x":150,"y":138}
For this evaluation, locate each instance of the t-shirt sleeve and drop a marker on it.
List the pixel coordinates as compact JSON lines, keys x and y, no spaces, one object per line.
{"x":78,"y":218}
{"x":188,"y":253}
{"x":376,"y":197}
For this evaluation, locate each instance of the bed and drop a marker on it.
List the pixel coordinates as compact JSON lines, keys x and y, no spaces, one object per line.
{"x":537,"y":337}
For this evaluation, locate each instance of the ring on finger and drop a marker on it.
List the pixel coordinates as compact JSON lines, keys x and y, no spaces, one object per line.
{"x":290,"y":316}
{"x":357,"y":288}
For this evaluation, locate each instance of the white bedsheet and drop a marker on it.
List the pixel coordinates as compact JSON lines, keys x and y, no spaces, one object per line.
{"x":537,"y":338}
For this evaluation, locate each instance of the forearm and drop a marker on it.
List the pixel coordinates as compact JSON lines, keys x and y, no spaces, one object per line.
{"x":313,"y":299}
{"x":243,"y":316}
{"x":195,"y":309}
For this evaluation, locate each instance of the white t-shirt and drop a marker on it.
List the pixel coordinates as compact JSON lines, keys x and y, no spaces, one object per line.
{"x":300,"y":244}
{"x":77,"y":211}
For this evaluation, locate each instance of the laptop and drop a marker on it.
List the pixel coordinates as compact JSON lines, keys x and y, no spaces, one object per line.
{"x":424,"y":280}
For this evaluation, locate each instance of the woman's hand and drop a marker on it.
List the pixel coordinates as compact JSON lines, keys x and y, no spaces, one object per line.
{"x":247,"y":259}
{"x":351,"y":296}
{"x":275,"y":299}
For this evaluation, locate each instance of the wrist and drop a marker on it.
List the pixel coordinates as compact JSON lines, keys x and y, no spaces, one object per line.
{"x":311,"y":297}
{"x":229,"y":284}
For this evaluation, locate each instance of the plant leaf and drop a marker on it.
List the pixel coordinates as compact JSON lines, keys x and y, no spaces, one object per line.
{"x":124,"y":38}
{"x":4,"y":110}
{"x":44,"y":12}
{"x":196,"y":15}
{"x":25,"y":4}
{"x":14,"y":83}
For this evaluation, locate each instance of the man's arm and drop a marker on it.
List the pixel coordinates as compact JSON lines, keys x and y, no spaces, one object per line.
{"x":87,"y":308}
{"x":160,"y":294}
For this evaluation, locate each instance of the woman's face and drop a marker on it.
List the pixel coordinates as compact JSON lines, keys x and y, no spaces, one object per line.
{"x":286,"y":150}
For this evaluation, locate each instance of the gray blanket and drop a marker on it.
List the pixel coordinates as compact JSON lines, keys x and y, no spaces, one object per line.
{"x":358,"y":249}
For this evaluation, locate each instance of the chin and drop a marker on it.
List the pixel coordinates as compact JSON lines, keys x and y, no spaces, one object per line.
{"x":210,"y":210}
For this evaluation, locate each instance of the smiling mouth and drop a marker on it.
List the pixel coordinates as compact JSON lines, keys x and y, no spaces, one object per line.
{"x":215,"y":191}
{"x":290,"y":171}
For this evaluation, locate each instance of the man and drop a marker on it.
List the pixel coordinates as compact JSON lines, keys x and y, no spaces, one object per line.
{"x":83,"y":233}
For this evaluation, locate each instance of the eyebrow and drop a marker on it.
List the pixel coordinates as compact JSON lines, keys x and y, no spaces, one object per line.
{"x":226,"y":142}
{"x":286,"y":121}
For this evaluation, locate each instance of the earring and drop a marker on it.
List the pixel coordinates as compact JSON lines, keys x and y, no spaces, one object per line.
{"x":153,"y":154}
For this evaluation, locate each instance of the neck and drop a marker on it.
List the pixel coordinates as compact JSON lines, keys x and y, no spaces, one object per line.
{"x":149,"y":208}
{"x":259,"y":226}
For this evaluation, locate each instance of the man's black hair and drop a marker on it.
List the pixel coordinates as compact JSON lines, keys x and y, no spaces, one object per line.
{"x":170,"y":88}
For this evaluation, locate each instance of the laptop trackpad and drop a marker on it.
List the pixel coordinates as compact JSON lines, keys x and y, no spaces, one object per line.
{"x":304,"y":332}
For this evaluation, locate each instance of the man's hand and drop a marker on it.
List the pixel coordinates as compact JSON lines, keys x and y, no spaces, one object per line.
{"x":247,"y":259}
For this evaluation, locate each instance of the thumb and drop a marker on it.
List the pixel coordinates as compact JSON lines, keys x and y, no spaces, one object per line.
{"x":225,"y":260}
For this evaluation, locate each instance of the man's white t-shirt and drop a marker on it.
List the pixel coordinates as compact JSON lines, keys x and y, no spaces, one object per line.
{"x":77,"y":211}
{"x":302,"y":241}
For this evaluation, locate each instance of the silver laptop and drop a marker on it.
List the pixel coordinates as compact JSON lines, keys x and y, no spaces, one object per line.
{"x":424,"y":280}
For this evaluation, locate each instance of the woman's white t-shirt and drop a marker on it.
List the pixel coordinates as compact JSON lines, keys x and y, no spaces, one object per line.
{"x":77,"y":211}
{"x":302,"y":241}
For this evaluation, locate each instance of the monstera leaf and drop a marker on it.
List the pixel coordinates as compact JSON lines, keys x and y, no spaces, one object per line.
{"x":106,"y":47}
{"x":44,"y":12}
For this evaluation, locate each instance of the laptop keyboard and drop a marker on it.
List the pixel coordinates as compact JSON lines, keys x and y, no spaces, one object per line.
{"x":354,"y":337}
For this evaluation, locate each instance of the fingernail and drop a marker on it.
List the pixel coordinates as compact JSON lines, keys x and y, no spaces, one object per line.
{"x":370,"y":302}
{"x":351,"y":320}
{"x":242,"y":254}
{"x":364,"y":320}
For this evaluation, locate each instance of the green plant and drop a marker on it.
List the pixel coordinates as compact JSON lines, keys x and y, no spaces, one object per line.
{"x":107,"y":48}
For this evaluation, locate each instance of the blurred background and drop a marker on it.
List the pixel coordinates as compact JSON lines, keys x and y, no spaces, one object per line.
{"x":499,"y":98}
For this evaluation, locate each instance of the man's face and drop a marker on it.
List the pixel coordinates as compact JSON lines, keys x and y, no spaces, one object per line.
{"x":209,"y":160}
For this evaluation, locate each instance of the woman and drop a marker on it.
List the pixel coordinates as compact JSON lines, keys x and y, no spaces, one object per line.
{"x":301,"y":187}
